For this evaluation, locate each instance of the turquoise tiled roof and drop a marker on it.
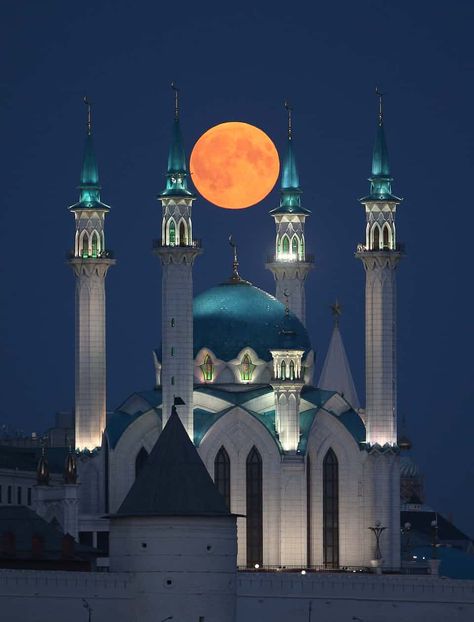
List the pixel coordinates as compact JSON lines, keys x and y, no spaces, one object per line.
{"x":118,"y":422}
{"x":232,"y":316}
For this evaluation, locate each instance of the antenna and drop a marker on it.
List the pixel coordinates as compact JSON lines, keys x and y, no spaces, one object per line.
{"x":89,"y":115}
{"x":289,"y":109}
{"x":380,"y":95}
{"x":176,"y":100}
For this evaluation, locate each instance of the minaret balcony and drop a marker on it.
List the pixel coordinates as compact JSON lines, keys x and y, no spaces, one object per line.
{"x":160,"y":243}
{"x":106,"y":254}
{"x":290,"y":258}
{"x":399,"y":248}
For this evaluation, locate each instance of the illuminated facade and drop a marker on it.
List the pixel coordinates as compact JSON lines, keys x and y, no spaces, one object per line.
{"x":90,"y":262}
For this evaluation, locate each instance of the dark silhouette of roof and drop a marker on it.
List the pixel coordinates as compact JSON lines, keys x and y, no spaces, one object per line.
{"x":174,"y":480}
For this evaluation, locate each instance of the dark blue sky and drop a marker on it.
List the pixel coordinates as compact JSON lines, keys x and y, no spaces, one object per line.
{"x":239,"y":62}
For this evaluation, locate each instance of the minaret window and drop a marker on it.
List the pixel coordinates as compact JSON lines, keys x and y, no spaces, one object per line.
{"x":285,"y":244}
{"x":283,"y":370}
{"x":85,"y":245}
{"x":222,"y":474}
{"x":95,"y":245}
{"x":292,"y":370}
{"x":330,"y":510}
{"x":294,"y":246}
{"x":254,"y":511}
{"x":140,"y":461}
{"x":207,"y":369}
{"x":376,"y":238}
{"x":172,"y":233}
{"x":183,"y":235}
{"x":246,"y":369}
{"x":386,"y":238}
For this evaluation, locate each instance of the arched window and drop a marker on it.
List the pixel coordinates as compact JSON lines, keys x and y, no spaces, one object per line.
{"x":386,"y":238}
{"x":207,"y":368}
{"x":246,"y":368}
{"x":172,"y":233}
{"x":330,"y":510}
{"x":294,"y":246}
{"x":254,"y":509}
{"x":292,"y":370}
{"x":285,"y":244}
{"x":183,"y":235}
{"x":85,"y":245}
{"x":95,"y":244}
{"x":376,"y":238}
{"x":140,"y":461}
{"x":222,"y":474}
{"x":302,"y":249}
{"x":283,"y":370}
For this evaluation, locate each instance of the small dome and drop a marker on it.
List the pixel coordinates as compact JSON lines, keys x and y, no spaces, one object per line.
{"x":404,"y":442}
{"x":408,"y":468}
{"x":235,"y":315}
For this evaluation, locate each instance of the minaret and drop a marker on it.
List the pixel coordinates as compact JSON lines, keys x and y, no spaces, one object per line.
{"x":380,"y":257}
{"x":290,"y":264}
{"x":177,"y":250}
{"x":90,"y":262}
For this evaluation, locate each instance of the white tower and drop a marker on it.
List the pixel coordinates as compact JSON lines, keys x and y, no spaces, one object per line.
{"x":380,"y":256}
{"x":177,"y":250}
{"x":290,"y":264}
{"x":90,"y":263}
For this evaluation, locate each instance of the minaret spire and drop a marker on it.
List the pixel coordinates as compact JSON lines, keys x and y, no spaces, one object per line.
{"x":380,"y":96}
{"x":176,"y":100}
{"x":90,"y":261}
{"x":290,"y":264}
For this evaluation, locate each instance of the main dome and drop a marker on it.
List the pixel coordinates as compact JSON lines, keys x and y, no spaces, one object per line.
{"x":232,"y":316}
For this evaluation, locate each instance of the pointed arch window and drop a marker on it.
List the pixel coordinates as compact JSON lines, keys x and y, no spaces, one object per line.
{"x":294,"y":246}
{"x":254,"y":511}
{"x":246,"y":368}
{"x":85,"y":245}
{"x":95,"y":245}
{"x":376,"y":238}
{"x":140,"y":461}
{"x":386,"y":238}
{"x":222,"y":474}
{"x":292,"y":370}
{"x":283,"y":370}
{"x":172,"y":233}
{"x":183,"y":234}
{"x":330,"y":510}
{"x":285,"y":244}
{"x":207,"y":369}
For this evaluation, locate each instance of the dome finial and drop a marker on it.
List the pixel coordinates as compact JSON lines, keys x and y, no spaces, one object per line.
{"x":42,"y":470}
{"x":235,"y":264}
{"x":380,"y":96}
{"x":176,"y":100}
{"x":289,"y":110}
{"x":336,"y":311}
{"x":89,"y":115}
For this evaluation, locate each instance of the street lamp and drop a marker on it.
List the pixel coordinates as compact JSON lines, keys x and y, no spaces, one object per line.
{"x":377,"y":530}
{"x":86,"y":605}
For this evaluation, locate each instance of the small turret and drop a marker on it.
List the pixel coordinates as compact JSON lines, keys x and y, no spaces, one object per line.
{"x":70,"y":468}
{"x":42,"y":470}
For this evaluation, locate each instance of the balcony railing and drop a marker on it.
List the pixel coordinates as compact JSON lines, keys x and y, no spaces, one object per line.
{"x":418,"y":569}
{"x":290,"y":259}
{"x":400,"y":247}
{"x":159,"y":243}
{"x":103,"y":255}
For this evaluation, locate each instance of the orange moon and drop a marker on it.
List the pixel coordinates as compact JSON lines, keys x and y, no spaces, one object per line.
{"x":234,"y":165}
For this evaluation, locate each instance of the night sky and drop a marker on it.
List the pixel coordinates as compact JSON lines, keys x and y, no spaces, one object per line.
{"x":240,"y":62}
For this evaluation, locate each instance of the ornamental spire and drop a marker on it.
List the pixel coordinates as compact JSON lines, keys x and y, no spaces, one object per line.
{"x":89,"y":184}
{"x":177,"y":173}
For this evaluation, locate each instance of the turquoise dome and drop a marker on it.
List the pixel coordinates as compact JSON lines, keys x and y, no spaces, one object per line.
{"x":232,"y":316}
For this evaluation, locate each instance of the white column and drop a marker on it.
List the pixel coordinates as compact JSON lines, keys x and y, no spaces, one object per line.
{"x":90,"y":406}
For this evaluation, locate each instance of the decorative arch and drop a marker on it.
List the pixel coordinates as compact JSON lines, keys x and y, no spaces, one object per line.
{"x":140,"y":461}
{"x":285,"y":244}
{"x":246,"y":368}
{"x":222,"y":474}
{"x":330,"y":510}
{"x":84,"y":244}
{"x":386,"y":237}
{"x":283,"y":370}
{"x":302,"y":249}
{"x":207,"y":369}
{"x":376,"y":236}
{"x":95,"y":244}
{"x":182,"y":233}
{"x":254,"y":498}
{"x":294,"y":245}
{"x":292,"y":370}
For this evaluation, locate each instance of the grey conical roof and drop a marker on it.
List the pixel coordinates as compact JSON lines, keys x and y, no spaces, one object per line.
{"x":174,"y":480}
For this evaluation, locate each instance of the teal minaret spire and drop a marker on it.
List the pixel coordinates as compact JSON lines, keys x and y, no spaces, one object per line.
{"x":90,"y":262}
{"x":380,"y":256}
{"x":177,"y":251}
{"x":177,"y":173}
{"x":290,"y":264}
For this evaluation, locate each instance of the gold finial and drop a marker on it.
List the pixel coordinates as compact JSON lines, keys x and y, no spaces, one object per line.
{"x":336,"y":311}
{"x":176,"y":100}
{"x":380,"y":96}
{"x":89,"y":115}
{"x":235,"y":265}
{"x":289,"y":110}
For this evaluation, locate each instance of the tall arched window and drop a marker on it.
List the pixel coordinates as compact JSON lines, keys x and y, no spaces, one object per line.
{"x":172,"y":233}
{"x":140,"y":461}
{"x":386,"y":238}
{"x":95,"y":244}
{"x":285,"y":244}
{"x":183,"y":236}
{"x":222,"y":474}
{"x":246,"y":368}
{"x":330,"y":510}
{"x":254,"y":508}
{"x":207,"y":368}
{"x":294,"y":246}
{"x":292,"y":370}
{"x":85,"y":245}
{"x":376,"y":238}
{"x":283,"y":370}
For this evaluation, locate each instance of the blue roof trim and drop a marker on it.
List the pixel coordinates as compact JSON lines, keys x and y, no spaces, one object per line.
{"x":233,"y":397}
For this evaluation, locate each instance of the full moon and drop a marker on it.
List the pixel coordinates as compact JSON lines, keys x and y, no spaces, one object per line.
{"x":234,"y":165}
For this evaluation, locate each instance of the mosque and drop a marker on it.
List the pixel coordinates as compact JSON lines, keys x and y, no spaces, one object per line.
{"x":237,"y":457}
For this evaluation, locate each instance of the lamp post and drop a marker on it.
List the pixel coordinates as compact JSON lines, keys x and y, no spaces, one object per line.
{"x":377,"y":530}
{"x":406,"y":531}
{"x":86,"y":605}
